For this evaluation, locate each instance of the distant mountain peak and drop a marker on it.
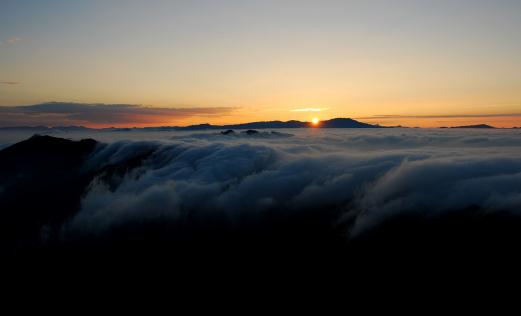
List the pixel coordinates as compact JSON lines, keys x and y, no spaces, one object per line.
{"x":332,"y":123}
{"x":474,"y":126}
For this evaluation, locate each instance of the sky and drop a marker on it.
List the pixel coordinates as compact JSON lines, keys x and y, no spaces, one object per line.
{"x":413,"y":63}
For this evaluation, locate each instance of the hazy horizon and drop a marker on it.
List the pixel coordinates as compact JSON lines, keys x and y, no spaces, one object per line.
{"x":99,"y":115}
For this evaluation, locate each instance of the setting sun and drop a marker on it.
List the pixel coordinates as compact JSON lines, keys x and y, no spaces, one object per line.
{"x":315,"y":121}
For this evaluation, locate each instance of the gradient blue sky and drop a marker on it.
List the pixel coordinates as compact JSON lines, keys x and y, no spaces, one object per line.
{"x":395,"y":60}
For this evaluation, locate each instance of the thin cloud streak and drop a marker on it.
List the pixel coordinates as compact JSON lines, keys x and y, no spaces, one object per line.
{"x":9,"y":83}
{"x":309,"y":110}
{"x":13,"y":40}
{"x":68,"y":113}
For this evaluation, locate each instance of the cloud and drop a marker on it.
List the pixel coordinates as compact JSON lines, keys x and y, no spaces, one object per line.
{"x":10,"y":83}
{"x":309,"y":110}
{"x":349,"y":183}
{"x":367,"y":176}
{"x":13,"y":40}
{"x":434,"y":186}
{"x":64,"y":113}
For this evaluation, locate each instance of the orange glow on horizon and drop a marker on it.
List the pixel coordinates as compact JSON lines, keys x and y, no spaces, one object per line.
{"x":434,"y":122}
{"x":426,"y":122}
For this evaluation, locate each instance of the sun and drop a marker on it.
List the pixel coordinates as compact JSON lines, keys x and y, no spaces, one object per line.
{"x":315,"y":121}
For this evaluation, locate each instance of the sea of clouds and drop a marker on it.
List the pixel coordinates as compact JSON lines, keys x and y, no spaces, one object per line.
{"x":367,"y":175}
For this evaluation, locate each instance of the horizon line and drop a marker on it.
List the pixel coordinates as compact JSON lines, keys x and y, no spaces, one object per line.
{"x":282,"y":121}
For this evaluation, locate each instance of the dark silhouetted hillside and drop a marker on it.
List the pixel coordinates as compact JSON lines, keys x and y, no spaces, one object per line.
{"x":41,"y":183}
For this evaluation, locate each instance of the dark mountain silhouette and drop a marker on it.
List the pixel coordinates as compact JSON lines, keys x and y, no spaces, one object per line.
{"x":41,"y":183}
{"x":333,"y":123}
{"x":346,"y":123}
{"x":474,"y":126}
{"x":42,"y":180}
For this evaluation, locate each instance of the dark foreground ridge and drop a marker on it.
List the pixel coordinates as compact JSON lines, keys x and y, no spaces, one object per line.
{"x":43,"y":179}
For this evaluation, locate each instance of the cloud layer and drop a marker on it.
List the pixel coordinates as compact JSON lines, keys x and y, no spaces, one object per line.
{"x":366,"y":176}
{"x":63,"y":113}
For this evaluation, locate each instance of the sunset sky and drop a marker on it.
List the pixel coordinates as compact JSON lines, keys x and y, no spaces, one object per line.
{"x":142,"y":63}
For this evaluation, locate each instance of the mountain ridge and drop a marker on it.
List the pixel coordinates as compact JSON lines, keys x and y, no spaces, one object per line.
{"x":275,"y":124}
{"x":474,"y":126}
{"x":332,"y":123}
